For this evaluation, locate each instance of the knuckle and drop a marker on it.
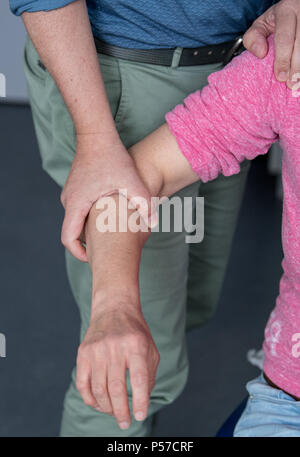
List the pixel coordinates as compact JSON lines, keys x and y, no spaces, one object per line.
{"x":141,"y":405}
{"x":82,"y":352}
{"x":89,"y":402}
{"x":116,"y":387}
{"x":84,"y":347}
{"x":283,"y":64}
{"x":95,"y":351}
{"x":99,"y":390}
{"x":283,"y":42}
{"x":283,"y":56}
{"x":140,"y":378}
{"x":111,"y":340}
{"x":140,"y":341}
{"x":80,"y":385}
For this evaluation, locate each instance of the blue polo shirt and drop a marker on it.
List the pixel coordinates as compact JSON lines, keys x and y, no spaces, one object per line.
{"x":147,"y":24}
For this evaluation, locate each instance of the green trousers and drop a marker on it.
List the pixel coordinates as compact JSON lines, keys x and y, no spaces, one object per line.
{"x":175,"y":277}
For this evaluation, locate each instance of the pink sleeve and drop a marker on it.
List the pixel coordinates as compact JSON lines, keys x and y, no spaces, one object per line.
{"x":230,"y":119}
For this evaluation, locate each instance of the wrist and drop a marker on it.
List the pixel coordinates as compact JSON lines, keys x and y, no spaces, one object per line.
{"x":109,"y":300}
{"x":107,"y":136}
{"x":99,"y":143}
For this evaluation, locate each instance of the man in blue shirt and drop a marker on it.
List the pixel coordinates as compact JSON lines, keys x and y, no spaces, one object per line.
{"x":88,"y":108}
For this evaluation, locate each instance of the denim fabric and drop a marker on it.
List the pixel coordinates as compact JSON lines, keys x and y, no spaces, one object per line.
{"x":269,"y":412}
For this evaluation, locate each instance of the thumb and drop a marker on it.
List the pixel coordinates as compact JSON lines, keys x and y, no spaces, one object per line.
{"x":70,"y":235}
{"x":255,"y":39}
{"x":140,"y":198}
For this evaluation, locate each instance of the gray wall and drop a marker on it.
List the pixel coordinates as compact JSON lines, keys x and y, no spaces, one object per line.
{"x":12,"y":37}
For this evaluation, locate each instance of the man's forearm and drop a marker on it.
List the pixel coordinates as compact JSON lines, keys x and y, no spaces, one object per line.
{"x":64,"y":41}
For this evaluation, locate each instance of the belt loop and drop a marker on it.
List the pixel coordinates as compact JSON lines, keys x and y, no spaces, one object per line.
{"x":176,"y":57}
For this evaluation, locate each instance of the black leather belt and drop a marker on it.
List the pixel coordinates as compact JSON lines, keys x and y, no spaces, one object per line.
{"x":203,"y":55}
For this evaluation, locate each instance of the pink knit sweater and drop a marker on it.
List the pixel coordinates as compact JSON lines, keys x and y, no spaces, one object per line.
{"x":242,"y":111}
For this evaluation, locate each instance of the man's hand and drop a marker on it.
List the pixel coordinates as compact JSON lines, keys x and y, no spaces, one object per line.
{"x":117,"y":339}
{"x":282,"y":19}
{"x":98,"y":169}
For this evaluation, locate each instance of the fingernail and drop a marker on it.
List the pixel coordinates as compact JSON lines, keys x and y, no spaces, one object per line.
{"x":283,"y":76}
{"x":124,"y":425}
{"x":140,"y":416}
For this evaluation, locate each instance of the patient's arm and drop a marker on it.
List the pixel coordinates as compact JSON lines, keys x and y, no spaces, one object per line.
{"x":237,"y":116}
{"x":118,"y":336}
{"x":161,"y":164}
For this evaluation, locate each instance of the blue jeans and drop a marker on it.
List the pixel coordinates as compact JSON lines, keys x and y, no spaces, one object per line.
{"x":269,"y":412}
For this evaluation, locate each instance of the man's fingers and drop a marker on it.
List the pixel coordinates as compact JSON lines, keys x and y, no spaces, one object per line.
{"x":116,"y":382}
{"x":71,"y":230}
{"x":281,"y":20}
{"x":141,"y":386}
{"x":83,"y":382}
{"x":99,"y":388}
{"x":284,"y":39}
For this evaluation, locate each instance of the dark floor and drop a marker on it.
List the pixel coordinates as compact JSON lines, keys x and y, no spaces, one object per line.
{"x":40,"y":319}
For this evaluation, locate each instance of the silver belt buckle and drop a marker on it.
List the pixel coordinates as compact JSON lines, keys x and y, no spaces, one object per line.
{"x":235,"y":50}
